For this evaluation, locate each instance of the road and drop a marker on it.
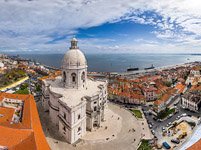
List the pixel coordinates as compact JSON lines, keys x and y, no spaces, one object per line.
{"x":157,"y":126}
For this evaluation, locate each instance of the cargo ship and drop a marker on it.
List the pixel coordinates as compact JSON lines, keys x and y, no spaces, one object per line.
{"x":152,"y":67}
{"x":132,"y":69}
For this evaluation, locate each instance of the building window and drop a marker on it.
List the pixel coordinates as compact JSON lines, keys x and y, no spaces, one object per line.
{"x":65,"y":116}
{"x":73,"y":75}
{"x":79,"y":129}
{"x":64,"y":128}
{"x":79,"y":117}
{"x":83,"y":76}
{"x":64,"y":76}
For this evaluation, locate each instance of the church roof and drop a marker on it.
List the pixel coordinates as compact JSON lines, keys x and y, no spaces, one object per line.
{"x":74,"y":58}
{"x":73,"y":97}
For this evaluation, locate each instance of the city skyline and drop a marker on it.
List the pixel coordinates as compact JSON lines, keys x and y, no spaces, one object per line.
{"x":102,"y":26}
{"x":150,"y":107}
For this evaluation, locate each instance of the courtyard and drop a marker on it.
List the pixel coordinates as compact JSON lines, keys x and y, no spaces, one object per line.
{"x":121,"y":131}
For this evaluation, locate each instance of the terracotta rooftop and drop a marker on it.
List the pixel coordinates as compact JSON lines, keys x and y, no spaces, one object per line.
{"x":28,"y":133}
{"x":51,"y":76}
{"x":196,"y":68}
{"x":150,"y":89}
{"x":180,"y":87}
{"x":196,"y":146}
{"x":7,"y":114}
{"x":195,"y":88}
{"x":165,"y":97}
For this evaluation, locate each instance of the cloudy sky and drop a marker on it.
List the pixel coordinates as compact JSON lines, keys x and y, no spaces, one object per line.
{"x":102,"y":26}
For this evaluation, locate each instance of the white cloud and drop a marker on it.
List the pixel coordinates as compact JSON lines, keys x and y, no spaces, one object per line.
{"x":30,"y":25}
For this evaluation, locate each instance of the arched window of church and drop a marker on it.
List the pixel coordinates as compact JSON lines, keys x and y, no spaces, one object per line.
{"x":64,"y":76}
{"x":78,"y":117}
{"x":73,"y":75}
{"x":83,"y":76}
{"x":79,"y":129}
{"x":95,"y":108}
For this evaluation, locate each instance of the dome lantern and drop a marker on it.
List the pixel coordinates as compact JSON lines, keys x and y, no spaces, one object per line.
{"x":74,"y":42}
{"x":74,"y":67}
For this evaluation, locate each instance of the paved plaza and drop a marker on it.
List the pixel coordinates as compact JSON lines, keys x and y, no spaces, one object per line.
{"x":121,"y":131}
{"x":108,"y":130}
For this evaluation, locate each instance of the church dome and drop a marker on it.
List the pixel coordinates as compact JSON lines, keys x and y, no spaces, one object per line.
{"x":74,"y":58}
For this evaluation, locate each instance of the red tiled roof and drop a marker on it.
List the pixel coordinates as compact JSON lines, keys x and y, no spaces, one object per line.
{"x":150,"y":89}
{"x":27,"y":134}
{"x":180,"y":87}
{"x":196,"y":146}
{"x":51,"y":76}
{"x":196,"y":68}
{"x":165,"y":97}
{"x":195,"y":88}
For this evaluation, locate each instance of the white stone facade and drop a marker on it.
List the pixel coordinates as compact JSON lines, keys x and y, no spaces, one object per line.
{"x":195,"y":72}
{"x":75,"y":102}
{"x":191,"y":101}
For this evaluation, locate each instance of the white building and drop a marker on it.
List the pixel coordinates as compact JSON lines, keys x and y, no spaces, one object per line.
{"x":75,"y":102}
{"x":1,"y":65}
{"x":191,"y":101}
{"x":194,"y":76}
{"x":150,"y":93}
{"x":195,"y":71}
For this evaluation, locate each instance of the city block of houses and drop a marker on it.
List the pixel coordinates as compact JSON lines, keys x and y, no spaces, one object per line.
{"x":160,"y":89}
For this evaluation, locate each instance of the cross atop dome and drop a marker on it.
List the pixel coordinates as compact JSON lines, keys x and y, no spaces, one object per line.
{"x":74,"y":42}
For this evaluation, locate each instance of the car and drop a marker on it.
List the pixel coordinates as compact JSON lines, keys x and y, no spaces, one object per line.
{"x":166,"y":145}
{"x":159,"y":120}
{"x":171,"y":115}
{"x":177,"y":118}
{"x":154,"y":118}
{"x":153,"y":132}
{"x":146,"y":112}
{"x":176,"y":141}
{"x":184,"y":115}
{"x":163,"y":129}
{"x":168,"y":124}
{"x":183,"y":107}
{"x":148,"y":122}
{"x":176,"y":112}
{"x":150,"y":126}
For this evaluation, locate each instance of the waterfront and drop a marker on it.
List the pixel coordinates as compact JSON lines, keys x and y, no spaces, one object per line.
{"x":118,"y":62}
{"x":168,"y":96}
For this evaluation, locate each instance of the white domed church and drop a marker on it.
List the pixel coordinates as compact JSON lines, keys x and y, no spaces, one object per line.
{"x":75,"y":103}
